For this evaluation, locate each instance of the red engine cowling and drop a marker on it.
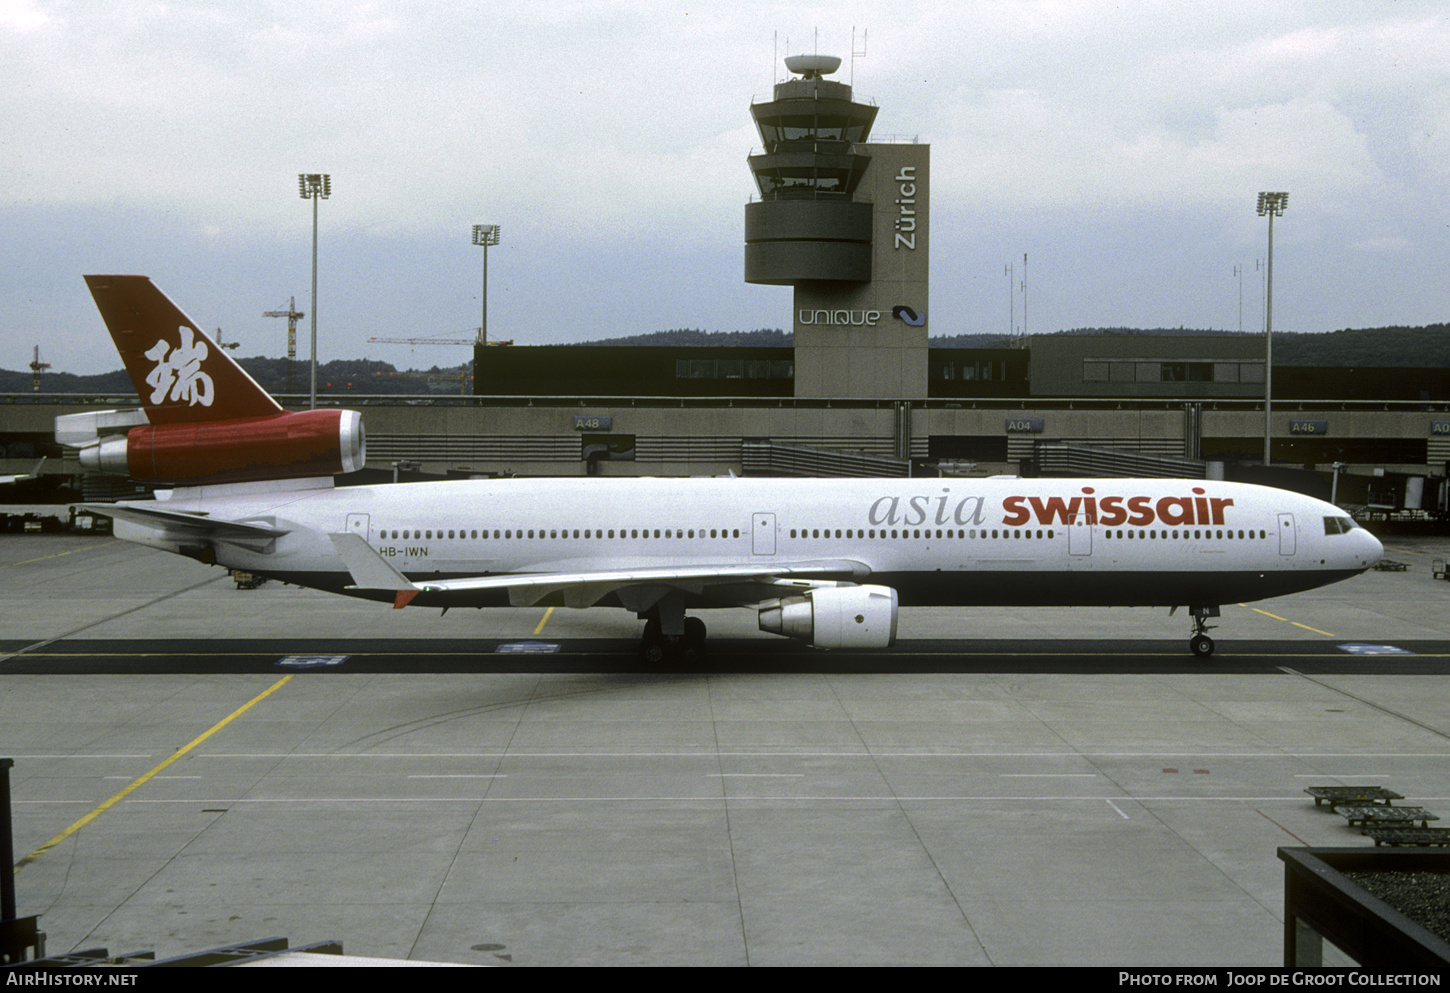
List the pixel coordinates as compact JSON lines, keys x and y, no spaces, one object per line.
{"x":286,"y":446}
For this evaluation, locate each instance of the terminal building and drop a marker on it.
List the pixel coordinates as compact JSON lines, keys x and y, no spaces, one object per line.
{"x":845,"y":221}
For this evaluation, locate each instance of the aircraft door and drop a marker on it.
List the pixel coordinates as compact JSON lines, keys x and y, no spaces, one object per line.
{"x":357,"y":524}
{"x":762,"y":534}
{"x":1080,"y":535}
{"x":1286,"y":534}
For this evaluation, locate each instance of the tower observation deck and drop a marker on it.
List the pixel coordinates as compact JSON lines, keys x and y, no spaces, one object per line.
{"x":807,"y":224}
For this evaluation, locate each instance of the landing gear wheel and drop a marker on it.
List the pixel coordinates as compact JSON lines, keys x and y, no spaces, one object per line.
{"x":657,"y":648}
{"x":1199,"y":643}
{"x":692,"y":645}
{"x":654,"y":648}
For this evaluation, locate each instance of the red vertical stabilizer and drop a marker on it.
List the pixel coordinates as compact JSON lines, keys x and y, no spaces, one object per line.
{"x":179,"y":373}
{"x":209,"y":421}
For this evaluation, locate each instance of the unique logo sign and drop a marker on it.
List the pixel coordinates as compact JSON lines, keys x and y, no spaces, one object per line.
{"x":851,"y":318}
{"x":906,"y":315}
{"x":178,"y":374}
{"x":860,"y":318}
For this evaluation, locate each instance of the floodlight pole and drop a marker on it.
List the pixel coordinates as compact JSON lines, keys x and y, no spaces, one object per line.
{"x":483,"y":236}
{"x":314,"y":186}
{"x":1273,"y":205}
{"x":1011,"y":274}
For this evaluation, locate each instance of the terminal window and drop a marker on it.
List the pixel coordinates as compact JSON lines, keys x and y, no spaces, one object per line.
{"x":970,"y":371}
{"x":1187,"y":371}
{"x":734,"y":369}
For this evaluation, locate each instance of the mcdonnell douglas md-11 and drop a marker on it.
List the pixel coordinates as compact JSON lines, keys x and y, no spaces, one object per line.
{"x":828,"y":561}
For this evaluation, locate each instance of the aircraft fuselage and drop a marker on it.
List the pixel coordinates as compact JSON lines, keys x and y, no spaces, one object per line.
{"x":937,"y":542}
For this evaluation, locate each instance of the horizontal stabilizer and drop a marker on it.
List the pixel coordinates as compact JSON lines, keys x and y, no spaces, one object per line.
{"x":22,"y":477}
{"x":176,"y":525}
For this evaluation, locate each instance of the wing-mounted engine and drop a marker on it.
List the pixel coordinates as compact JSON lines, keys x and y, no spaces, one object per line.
{"x":835,"y":617}
{"x":286,"y":445}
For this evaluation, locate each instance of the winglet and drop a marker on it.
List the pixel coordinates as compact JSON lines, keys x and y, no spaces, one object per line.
{"x":370,"y":571}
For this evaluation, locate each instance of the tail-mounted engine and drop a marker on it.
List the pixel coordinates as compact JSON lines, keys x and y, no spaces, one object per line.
{"x":835,"y":617}
{"x":283,"y":446}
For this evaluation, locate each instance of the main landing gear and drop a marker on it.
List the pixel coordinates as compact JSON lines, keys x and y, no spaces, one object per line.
{"x":671,"y":636}
{"x":1199,"y":643}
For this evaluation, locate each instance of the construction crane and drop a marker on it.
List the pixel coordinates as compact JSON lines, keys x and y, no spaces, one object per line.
{"x":475,"y":340}
{"x":36,"y":368}
{"x":463,"y":376}
{"x":293,"y":315}
{"x":441,"y":340}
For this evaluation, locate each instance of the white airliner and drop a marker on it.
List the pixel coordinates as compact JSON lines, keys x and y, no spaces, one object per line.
{"x":829,"y":561}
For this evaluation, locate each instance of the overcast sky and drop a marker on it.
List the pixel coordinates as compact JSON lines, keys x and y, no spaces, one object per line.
{"x":1119,"y":145}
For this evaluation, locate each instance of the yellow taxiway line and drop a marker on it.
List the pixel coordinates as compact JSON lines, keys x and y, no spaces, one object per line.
{"x":1286,"y":620}
{"x":137,"y":783}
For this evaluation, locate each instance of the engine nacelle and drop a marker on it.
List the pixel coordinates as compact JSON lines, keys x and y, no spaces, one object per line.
{"x":285,"y":446}
{"x":835,"y":617}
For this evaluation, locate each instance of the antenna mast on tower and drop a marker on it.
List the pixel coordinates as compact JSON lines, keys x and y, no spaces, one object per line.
{"x":857,"y":53}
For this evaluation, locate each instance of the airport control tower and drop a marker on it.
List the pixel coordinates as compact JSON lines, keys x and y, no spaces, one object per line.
{"x":845,"y":222}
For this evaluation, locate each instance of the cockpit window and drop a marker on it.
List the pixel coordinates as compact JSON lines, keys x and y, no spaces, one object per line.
{"x":1338,"y":525}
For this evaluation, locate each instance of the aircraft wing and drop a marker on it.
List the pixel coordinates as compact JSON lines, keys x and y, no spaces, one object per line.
{"x":176,"y":525}
{"x":370,"y":571}
{"x":22,"y":477}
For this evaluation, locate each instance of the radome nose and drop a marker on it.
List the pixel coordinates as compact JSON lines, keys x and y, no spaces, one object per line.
{"x":1373,"y":548}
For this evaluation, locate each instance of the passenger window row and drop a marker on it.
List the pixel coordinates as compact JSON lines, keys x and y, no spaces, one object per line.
{"x":871,"y":534}
{"x":1125,"y":534}
{"x":1197,"y":534}
{"x":516,"y":534}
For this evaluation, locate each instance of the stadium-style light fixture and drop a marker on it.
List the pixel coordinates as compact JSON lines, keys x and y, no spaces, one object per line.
{"x":484,"y":235}
{"x":314,"y":186}
{"x":1273,"y":205}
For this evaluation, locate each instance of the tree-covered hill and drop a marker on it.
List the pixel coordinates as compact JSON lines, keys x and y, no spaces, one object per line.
{"x":1353,"y":348}
{"x":358,"y":376}
{"x":694,"y":337}
{"x":1360,"y":348}
{"x":1356,"y":348}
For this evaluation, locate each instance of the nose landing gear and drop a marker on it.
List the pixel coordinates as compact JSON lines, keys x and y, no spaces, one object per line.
{"x":1199,"y":643}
